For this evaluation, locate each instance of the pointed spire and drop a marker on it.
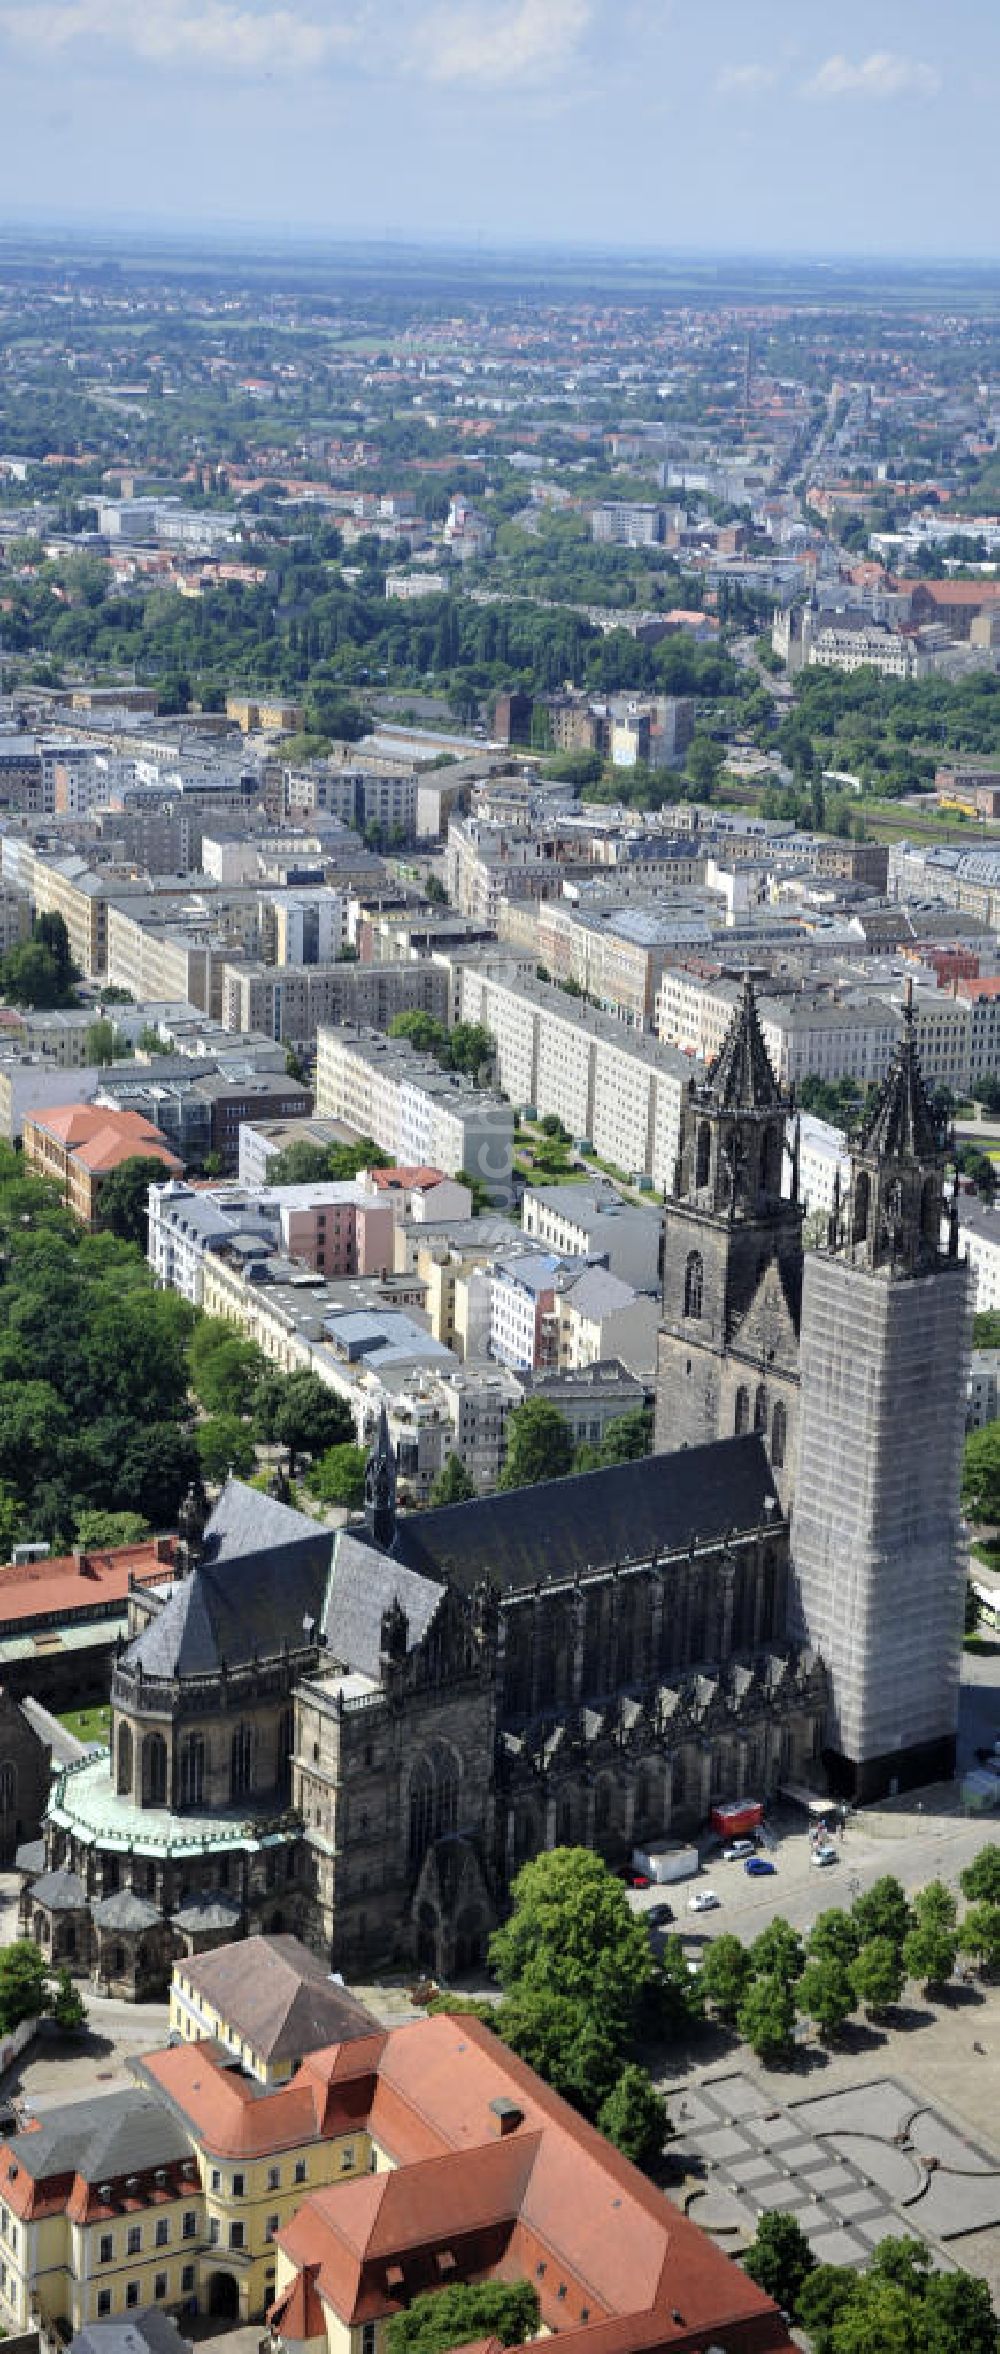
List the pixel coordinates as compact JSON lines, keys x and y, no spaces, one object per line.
{"x":380,"y":1486}
{"x":741,"y":1079}
{"x":902,"y":1125}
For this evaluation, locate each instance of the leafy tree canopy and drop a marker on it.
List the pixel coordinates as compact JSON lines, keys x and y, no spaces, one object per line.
{"x":456,"y":2316}
{"x":634,"y":2116}
{"x":539,"y":1445}
{"x":572,"y":1932}
{"x":124,"y":1198}
{"x":780,"y":2259}
{"x":339,"y":1476}
{"x":452,"y":1485}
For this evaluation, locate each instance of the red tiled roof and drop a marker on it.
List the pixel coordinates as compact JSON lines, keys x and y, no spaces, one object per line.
{"x":101,"y":1138}
{"x":56,"y":1589}
{"x":406,"y":1180}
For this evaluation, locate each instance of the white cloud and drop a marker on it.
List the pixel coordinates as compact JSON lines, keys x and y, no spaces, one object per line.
{"x":745,"y":81}
{"x":242,"y":40}
{"x":882,"y":75}
{"x":474,"y":42}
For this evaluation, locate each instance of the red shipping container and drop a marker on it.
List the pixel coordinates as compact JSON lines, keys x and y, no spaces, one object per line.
{"x":734,"y":1820}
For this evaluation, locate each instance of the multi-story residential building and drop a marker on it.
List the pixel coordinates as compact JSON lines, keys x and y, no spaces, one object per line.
{"x":523,"y":1324}
{"x":591,"y":1397}
{"x":382,"y":801}
{"x":620,"y":1092}
{"x":579,"y":1221}
{"x":291,"y":1004}
{"x":599,"y":1316}
{"x":335,"y":1228}
{"x":30,"y":1085}
{"x":979,"y":1238}
{"x":420,"y":1114}
{"x":616,"y":952}
{"x":627,"y":524}
{"x":79,"y":1145}
{"x":202,"y":1106}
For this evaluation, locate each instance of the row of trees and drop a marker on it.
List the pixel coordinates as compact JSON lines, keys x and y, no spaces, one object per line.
{"x":40,"y":972}
{"x":467,"y":1048}
{"x":857,"y":1960}
{"x":900,"y":2304}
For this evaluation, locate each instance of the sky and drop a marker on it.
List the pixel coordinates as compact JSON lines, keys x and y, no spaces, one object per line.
{"x":868,"y":127}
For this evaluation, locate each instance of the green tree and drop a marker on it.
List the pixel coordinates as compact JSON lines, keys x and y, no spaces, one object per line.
{"x":572,"y":1931}
{"x":470,"y":1048}
{"x":877,"y":1976}
{"x":958,"y":2315}
{"x":726,"y":1971}
{"x":301,"y":1163}
{"x":780,"y":2259}
{"x":464,"y":2312}
{"x":981,"y":1878}
{"x":766,"y":2018}
{"x":883,"y":1911}
{"x":159,"y":1464}
{"x":422,"y":1031}
{"x":981,"y":1473}
{"x":625,"y":1440}
{"x":300,"y":1413}
{"x":539,"y":1445}
{"x":634,"y":2116}
{"x":68,"y":2007}
{"x":22,"y":1983}
{"x":929,"y":1953}
{"x":338,"y":1477}
{"x":570,"y":2045}
{"x":936,"y":1903}
{"x":825,"y":1992}
{"x":98,"y":1531}
{"x":104,"y":1044}
{"x":225,"y":1368}
{"x":979,"y":1935}
{"x":225,"y":1444}
{"x":778,"y":1952}
{"x":834,"y":1936}
{"x":123,"y":1207}
{"x":452,"y":1485}
{"x":675,"y":1998}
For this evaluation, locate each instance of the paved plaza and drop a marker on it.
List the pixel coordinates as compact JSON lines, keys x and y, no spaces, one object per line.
{"x":865,"y":2163}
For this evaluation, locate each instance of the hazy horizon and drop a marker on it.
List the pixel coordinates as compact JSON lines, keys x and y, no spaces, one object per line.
{"x":647,"y":127}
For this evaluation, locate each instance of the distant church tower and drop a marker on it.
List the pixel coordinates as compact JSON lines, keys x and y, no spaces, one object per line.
{"x":879,"y":1567}
{"x":727,"y":1359}
{"x":380,"y":1487}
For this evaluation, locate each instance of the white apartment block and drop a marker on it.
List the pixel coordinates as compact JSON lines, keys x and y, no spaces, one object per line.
{"x":414,"y":1110}
{"x":579,"y":1223}
{"x":824,"y":1165}
{"x":979,"y":1239}
{"x":600,"y":1317}
{"x":619,"y":1091}
{"x":831,"y":1040}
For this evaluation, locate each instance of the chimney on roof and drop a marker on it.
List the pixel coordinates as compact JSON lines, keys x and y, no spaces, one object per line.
{"x":506,"y":2116}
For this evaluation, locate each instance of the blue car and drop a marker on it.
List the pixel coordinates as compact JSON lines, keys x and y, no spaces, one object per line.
{"x":759,"y":1866}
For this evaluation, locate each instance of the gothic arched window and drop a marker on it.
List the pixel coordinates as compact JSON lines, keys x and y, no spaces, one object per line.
{"x":779,"y":1435}
{"x":862,"y":1206}
{"x":742,"y":1421}
{"x":124,"y":1761}
{"x":8,"y":1789}
{"x":703,"y":1154}
{"x":192,"y":1790}
{"x":694,"y":1284}
{"x":242,"y":1761}
{"x":154,"y":1770}
{"x":930,"y":1212}
{"x":760,"y":1408}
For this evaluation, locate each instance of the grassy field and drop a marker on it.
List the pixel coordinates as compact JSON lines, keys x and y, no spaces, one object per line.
{"x":89,"y":1724}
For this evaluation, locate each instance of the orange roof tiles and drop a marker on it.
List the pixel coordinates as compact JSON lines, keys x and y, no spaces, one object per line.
{"x":53,"y":1590}
{"x":101,"y":1138}
{"x":406,"y":1180}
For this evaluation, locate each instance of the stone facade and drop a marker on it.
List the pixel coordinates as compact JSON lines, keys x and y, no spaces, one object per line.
{"x":361,"y":1738}
{"x":850,"y":1363}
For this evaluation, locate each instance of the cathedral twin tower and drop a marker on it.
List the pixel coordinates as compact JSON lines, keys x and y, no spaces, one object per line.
{"x":850,"y":1362}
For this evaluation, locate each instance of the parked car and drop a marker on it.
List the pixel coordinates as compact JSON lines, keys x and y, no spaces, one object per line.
{"x":704,"y":1900}
{"x":759,"y":1867}
{"x":738,"y":1850}
{"x":635,"y":1879}
{"x":659,"y":1916}
{"x":824,"y":1854}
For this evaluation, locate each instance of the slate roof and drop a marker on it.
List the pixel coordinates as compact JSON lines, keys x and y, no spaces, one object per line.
{"x":121,"y":2133}
{"x":149,"y":2331}
{"x":60,"y":1892}
{"x":208,"y":1911}
{"x":363,"y":1584}
{"x":125,"y":1911}
{"x":530,"y":1536}
{"x":278,"y":1997}
{"x":263,"y":1570}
